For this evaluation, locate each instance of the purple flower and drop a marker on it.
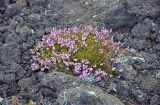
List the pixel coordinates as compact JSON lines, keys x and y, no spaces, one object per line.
{"x":65,"y":56}
{"x":98,"y":79}
{"x":75,"y":30}
{"x":77,"y":68}
{"x":46,"y":61}
{"x":86,"y":72}
{"x":34,"y":66}
{"x":74,"y":40}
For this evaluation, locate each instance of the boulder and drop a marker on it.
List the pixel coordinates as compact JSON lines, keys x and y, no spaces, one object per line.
{"x":109,"y":13}
{"x":75,"y":92}
{"x":10,"y":53}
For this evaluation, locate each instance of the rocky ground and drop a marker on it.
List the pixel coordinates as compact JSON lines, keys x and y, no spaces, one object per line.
{"x":134,"y":22}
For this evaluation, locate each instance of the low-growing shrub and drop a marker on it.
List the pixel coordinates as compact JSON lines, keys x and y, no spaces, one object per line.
{"x":78,"y":52}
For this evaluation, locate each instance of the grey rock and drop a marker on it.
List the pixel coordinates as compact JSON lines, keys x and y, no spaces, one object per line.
{"x":10,"y":53}
{"x":118,"y":13}
{"x":1,"y":100}
{"x":158,"y":39}
{"x":124,"y":62}
{"x":26,"y":11}
{"x":12,"y":10}
{"x":90,"y":78}
{"x":11,"y":1}
{"x":48,"y":30}
{"x":27,"y":45}
{"x":38,"y":9}
{"x":47,"y":92}
{"x":149,"y":23}
{"x":157,"y":47}
{"x":158,"y":75}
{"x":153,"y":37}
{"x":13,"y":24}
{"x":39,"y":33}
{"x":147,"y":10}
{"x":113,"y":87}
{"x":147,"y":83}
{"x":140,"y":95}
{"x":18,"y":19}
{"x":29,"y":85}
{"x":158,"y":2}
{"x":71,"y":87}
{"x":1,"y":40}
{"x":86,"y":96}
{"x":141,"y":31}
{"x":139,"y":44}
{"x":8,"y":78}
{"x":128,"y":71}
{"x":4,"y":28}
{"x":2,"y":3}
{"x":18,"y":69}
{"x":60,"y":78}
{"x":14,"y":38}
{"x":22,"y":3}
{"x":2,"y":76}
{"x":36,"y":2}
{"x":46,"y":102}
{"x":155,"y":100}
{"x":34,"y":18}
{"x":26,"y":31}
{"x":118,"y":37}
{"x":25,"y":82}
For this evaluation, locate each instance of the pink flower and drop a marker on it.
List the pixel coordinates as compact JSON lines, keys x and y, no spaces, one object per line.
{"x":73,"y":41}
{"x":46,"y":61}
{"x":34,"y":66}
{"x":98,"y":79}
{"x":77,"y":68}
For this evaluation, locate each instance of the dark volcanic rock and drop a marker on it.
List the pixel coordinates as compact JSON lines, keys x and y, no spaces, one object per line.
{"x":157,"y":47}
{"x":4,"y":29}
{"x":139,"y":94}
{"x":158,"y":38}
{"x":2,"y":3}
{"x":36,"y":2}
{"x":147,"y":83}
{"x":83,"y":96}
{"x":155,"y":100}
{"x":110,"y":13}
{"x":24,"y":22}
{"x":18,"y":69}
{"x":34,"y":18}
{"x":22,"y":3}
{"x":10,"y":54}
{"x":141,"y":31}
{"x":118,"y":37}
{"x":7,"y":77}
{"x":138,"y":44}
{"x":14,"y":38}
{"x":12,"y":10}
{"x":76,"y":92}
{"x":26,"y":31}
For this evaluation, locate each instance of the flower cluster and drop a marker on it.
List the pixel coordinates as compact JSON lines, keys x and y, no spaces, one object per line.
{"x":79,"y":52}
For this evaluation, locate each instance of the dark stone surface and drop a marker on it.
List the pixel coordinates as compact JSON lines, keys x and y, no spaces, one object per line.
{"x":155,"y":100}
{"x":158,"y":39}
{"x":24,"y":22}
{"x":141,"y":31}
{"x":12,"y":10}
{"x":2,"y":3}
{"x":157,"y":47}
{"x":10,"y":54}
